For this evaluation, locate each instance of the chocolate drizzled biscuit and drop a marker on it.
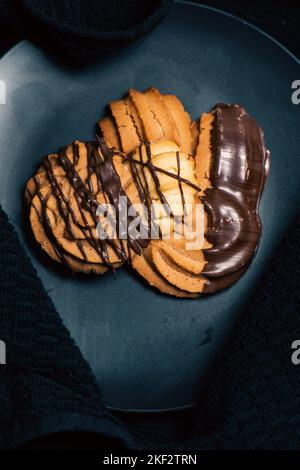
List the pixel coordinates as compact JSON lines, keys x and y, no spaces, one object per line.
{"x":68,"y":189}
{"x":231,"y":166}
{"x":64,"y":196}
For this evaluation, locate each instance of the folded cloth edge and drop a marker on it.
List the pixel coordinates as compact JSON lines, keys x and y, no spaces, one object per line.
{"x":22,"y":432}
{"x":135,"y":31}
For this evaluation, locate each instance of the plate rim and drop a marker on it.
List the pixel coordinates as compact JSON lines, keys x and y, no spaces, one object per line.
{"x":244,"y":22}
{"x":198,"y":5}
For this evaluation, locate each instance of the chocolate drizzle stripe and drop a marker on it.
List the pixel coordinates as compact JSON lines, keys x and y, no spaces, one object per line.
{"x":156,"y":180}
{"x":180,"y":187}
{"x":161,"y":170}
{"x":85,"y":201}
{"x":44,"y":220}
{"x":112,"y":186}
{"x":63,"y":201}
{"x":153,"y":225}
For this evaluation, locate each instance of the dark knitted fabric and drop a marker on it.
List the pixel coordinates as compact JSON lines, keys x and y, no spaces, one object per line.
{"x":82,"y":29}
{"x":46,"y":385}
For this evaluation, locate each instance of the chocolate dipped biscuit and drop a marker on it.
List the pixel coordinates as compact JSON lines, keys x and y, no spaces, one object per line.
{"x":232,"y":184}
{"x":231,"y":166}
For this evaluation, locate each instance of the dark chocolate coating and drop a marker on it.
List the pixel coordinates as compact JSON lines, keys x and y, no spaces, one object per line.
{"x":239,"y":168}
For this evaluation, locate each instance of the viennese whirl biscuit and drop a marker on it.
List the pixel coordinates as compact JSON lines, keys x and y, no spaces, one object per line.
{"x":63,"y":197}
{"x":166,"y":167}
{"x":231,"y":164}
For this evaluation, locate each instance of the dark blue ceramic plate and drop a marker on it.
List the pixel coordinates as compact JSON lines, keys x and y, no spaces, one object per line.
{"x":149,"y":351}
